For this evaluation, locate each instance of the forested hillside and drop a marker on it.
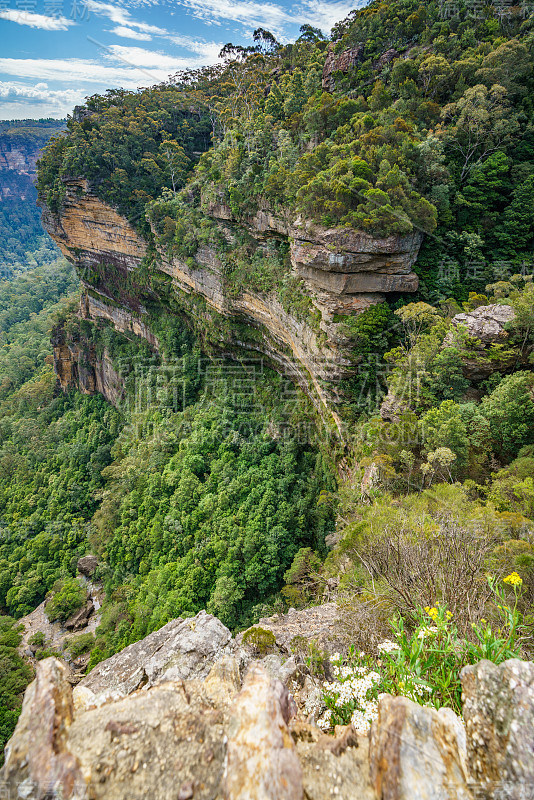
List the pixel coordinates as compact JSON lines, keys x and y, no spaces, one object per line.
{"x":193,"y":508}
{"x":232,"y":452}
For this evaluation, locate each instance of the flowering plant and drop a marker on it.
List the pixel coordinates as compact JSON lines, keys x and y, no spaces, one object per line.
{"x":353,"y":696}
{"x":427,"y":664}
{"x":423,"y":664}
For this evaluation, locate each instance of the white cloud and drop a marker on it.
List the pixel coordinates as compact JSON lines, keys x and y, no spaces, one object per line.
{"x":122,"y":17}
{"x":128,"y":33}
{"x":38,"y":93}
{"x":72,"y":70}
{"x":130,"y":28}
{"x":251,"y":14}
{"x":208,"y":50}
{"x":246,"y":12}
{"x":147,"y":59}
{"x":20,"y":101}
{"x":36,"y":20}
{"x":324,"y":15}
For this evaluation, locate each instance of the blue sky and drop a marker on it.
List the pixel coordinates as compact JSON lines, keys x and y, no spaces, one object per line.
{"x":56,"y":52}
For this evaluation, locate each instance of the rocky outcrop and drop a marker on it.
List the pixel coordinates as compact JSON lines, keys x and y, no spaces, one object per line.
{"x":499,"y":717}
{"x":20,"y":148}
{"x":417,"y":752}
{"x":319,"y":623}
{"x":262,"y":761}
{"x":80,"y":618}
{"x":87,"y":565}
{"x":181,"y":649}
{"x":340,"y":62}
{"x":385,"y":59}
{"x":485,"y":323}
{"x":476,"y":334}
{"x":187,"y":714}
{"x":38,"y":757}
{"x":182,"y":714}
{"x":343,"y":271}
{"x":349,"y":264}
{"x":77,"y":365}
{"x":89,"y":232}
{"x":57,"y":636}
{"x":18,"y":158}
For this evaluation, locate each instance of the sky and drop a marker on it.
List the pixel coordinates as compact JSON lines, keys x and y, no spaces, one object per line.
{"x":54,"y":53}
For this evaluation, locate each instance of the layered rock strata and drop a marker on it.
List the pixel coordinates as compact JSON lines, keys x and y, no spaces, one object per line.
{"x":344,"y":272}
{"x":90,"y":232}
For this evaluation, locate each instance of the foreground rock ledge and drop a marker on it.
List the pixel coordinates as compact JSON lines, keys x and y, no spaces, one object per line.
{"x":187,"y":714}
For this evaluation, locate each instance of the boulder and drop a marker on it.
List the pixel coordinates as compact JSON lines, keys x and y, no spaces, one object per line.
{"x":333,"y":767}
{"x":80,"y":618}
{"x":499,"y":718}
{"x":485,"y":323}
{"x":181,"y":649}
{"x":38,"y":763}
{"x":262,"y":760}
{"x":485,"y":326}
{"x":417,"y":753}
{"x":385,"y":59}
{"x":87,"y":565}
{"x":318,"y":623}
{"x":161,"y":744}
{"x":179,"y":740}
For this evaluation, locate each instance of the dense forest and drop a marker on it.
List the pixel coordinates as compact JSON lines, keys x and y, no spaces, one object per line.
{"x":204,"y":494}
{"x":195,"y":508}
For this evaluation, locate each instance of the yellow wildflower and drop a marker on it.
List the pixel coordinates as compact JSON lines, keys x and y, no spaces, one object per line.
{"x":449,"y":614}
{"x":432,"y":613}
{"x":513,"y":579}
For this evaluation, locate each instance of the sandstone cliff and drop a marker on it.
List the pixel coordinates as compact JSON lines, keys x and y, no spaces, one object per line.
{"x":343,"y":272}
{"x":20,"y":148}
{"x":18,"y":157}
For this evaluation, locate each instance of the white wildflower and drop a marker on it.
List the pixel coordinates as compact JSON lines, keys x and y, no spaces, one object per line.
{"x":387,"y":646}
{"x":423,"y":633}
{"x":336,"y":658}
{"x":325,"y":720}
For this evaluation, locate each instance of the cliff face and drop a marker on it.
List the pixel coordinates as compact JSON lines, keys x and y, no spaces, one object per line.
{"x":89,"y":232}
{"x":22,"y":159}
{"x":19,"y":152}
{"x":17,"y":170}
{"x":343,"y":271}
{"x":77,"y":364}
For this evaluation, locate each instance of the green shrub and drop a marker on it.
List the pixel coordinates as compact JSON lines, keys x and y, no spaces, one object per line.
{"x":77,"y":645}
{"x":510,"y":412}
{"x":38,"y":639}
{"x":424,"y":662}
{"x":260,"y":640}
{"x":69,"y":596}
{"x":48,"y":652}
